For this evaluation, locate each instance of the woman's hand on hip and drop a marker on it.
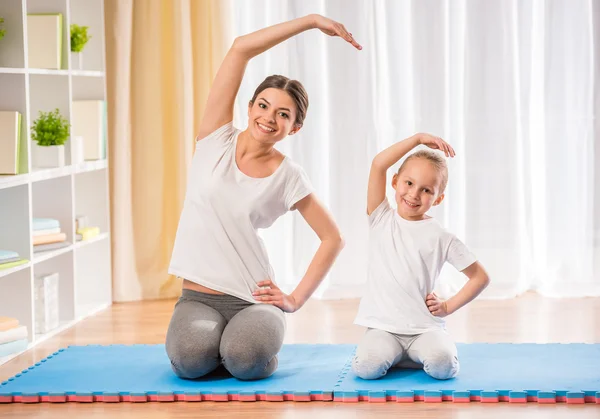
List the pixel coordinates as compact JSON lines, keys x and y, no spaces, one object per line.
{"x":271,"y":294}
{"x":333,"y":28}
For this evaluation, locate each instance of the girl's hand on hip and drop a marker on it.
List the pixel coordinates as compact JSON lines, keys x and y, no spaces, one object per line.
{"x":271,"y":294}
{"x":436,"y":305}
{"x":333,"y":28}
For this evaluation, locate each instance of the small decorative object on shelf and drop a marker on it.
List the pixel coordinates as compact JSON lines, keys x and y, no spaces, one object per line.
{"x":46,"y":302}
{"x":79,"y":38}
{"x":49,"y":131}
{"x":2,"y":31}
{"x":77,"y":155}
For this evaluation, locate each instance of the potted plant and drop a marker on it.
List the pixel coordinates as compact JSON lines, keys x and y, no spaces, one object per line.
{"x":2,"y":31}
{"x":49,"y":133}
{"x":79,"y":38}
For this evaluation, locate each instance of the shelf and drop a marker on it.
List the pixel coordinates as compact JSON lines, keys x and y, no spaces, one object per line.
{"x":8,"y":70}
{"x":47,"y":72}
{"x":10,"y":181}
{"x":42,"y":256}
{"x":84,"y":243}
{"x":90,"y":166}
{"x":62,"y":193}
{"x":87,"y":73}
{"x":38,"y":175}
{"x":62,"y":326}
{"x":53,"y":173}
{"x":6,"y":272}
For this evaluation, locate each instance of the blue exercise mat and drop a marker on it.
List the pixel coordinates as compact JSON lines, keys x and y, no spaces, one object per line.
{"x":143,"y":373}
{"x":138,"y":373}
{"x":492,"y":372}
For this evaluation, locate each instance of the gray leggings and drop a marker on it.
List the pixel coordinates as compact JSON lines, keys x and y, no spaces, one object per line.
{"x":207,"y":330}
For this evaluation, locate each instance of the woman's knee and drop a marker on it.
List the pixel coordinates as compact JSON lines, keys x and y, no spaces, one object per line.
{"x":250,"y":363}
{"x":441,"y":365}
{"x":192,"y":344}
{"x":251,"y":342}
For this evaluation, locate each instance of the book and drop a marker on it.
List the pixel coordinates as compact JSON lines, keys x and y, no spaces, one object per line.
{"x":10,"y":141}
{"x":13,"y":264}
{"x":7,"y":254}
{"x":13,"y":347}
{"x":45,"y":223}
{"x":88,"y":120}
{"x":16,"y":333}
{"x":49,"y":238}
{"x":46,"y":231}
{"x":7,"y":323}
{"x":50,"y":246}
{"x":44,"y":40}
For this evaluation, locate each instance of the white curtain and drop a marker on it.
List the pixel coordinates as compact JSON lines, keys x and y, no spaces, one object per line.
{"x":511,"y":84}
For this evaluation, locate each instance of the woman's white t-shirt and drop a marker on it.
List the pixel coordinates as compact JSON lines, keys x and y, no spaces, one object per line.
{"x":405,"y":260}
{"x":217,"y":244}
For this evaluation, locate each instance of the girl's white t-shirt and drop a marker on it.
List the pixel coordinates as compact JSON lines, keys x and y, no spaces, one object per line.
{"x":405,"y":260}
{"x":217,"y":243}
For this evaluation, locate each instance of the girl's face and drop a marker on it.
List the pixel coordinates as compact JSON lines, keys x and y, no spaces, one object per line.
{"x":272,"y":116}
{"x":417,"y":189}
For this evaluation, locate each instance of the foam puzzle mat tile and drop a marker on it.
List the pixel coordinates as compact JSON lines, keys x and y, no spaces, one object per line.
{"x":142,"y":373}
{"x":489,"y":373}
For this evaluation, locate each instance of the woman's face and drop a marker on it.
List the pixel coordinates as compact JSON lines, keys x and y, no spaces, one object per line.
{"x":272,"y":116}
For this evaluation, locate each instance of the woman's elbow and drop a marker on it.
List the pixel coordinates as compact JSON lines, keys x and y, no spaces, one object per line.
{"x":335,"y":241}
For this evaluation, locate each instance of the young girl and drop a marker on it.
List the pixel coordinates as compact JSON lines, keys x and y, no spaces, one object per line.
{"x":407,"y":250}
{"x":239,"y":182}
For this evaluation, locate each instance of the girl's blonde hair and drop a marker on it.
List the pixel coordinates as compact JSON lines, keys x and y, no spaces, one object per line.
{"x":436,"y":160}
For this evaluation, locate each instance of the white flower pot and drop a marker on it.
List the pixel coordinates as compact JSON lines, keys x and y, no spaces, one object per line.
{"x":48,"y":156}
{"x":77,"y":60}
{"x":76,"y":150}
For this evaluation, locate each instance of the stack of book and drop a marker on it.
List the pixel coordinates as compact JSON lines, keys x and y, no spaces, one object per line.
{"x":13,"y":336}
{"x":47,"y":235}
{"x":9,"y":259}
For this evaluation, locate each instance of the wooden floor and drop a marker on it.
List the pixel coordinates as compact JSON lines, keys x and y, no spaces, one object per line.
{"x":529,"y":318}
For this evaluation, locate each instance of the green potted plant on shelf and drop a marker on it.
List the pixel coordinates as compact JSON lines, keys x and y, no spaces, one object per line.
{"x":2,"y":31}
{"x":49,"y":133}
{"x":79,"y":38}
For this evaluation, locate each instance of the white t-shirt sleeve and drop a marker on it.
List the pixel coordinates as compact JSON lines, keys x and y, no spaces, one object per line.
{"x":380,"y":213}
{"x":297,"y":186}
{"x":459,"y":254}
{"x":225,"y":131}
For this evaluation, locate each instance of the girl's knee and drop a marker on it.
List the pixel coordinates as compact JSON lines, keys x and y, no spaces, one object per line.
{"x":442,"y":365}
{"x":370,"y":367}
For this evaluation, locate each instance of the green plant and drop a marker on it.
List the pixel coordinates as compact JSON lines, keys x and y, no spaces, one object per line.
{"x":50,"y":129}
{"x":2,"y":31}
{"x":79,"y":37}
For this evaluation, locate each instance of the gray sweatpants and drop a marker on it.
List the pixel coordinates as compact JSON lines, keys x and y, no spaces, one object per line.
{"x":207,"y":330}
{"x":378,"y":351}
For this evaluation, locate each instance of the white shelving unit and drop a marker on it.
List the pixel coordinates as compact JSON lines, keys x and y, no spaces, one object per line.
{"x":63,"y":193}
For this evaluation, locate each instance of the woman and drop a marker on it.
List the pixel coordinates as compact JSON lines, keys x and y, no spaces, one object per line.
{"x":231,"y":311}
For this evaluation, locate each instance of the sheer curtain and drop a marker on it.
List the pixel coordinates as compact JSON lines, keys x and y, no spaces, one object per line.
{"x":512,"y":85}
{"x":161,"y":59}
